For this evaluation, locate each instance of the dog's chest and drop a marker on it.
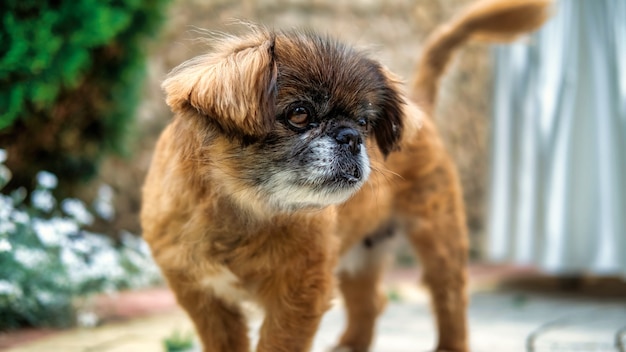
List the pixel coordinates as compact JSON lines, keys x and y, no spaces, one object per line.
{"x":225,"y":285}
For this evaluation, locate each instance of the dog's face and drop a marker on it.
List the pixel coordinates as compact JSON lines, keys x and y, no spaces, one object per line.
{"x":291,"y":115}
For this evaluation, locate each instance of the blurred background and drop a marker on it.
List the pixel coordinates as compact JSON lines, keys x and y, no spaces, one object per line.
{"x":537,"y":129}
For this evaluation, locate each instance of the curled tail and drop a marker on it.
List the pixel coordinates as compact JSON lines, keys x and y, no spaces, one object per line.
{"x":486,"y":20}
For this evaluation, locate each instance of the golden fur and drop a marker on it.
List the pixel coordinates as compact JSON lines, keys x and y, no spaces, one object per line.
{"x":243,"y":203}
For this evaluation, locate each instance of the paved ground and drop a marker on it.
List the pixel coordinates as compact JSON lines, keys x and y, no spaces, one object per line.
{"x":501,"y":319}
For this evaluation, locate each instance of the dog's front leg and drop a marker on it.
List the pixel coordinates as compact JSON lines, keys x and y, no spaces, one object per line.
{"x":295,"y":301}
{"x":220,"y":326}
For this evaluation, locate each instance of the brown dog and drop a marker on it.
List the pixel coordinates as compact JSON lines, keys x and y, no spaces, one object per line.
{"x":289,"y":151}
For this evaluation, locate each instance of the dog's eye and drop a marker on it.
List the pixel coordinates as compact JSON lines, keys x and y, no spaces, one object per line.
{"x":299,"y":117}
{"x":364,"y":122}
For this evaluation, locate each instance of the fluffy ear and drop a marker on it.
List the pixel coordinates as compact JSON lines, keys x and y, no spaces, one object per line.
{"x":234,"y":87}
{"x":389,"y":125}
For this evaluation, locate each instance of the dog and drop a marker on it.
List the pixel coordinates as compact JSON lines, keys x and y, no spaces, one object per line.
{"x":290,"y":160}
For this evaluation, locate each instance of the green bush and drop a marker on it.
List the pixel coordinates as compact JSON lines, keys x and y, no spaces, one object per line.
{"x":71,"y":73}
{"x":49,"y":263}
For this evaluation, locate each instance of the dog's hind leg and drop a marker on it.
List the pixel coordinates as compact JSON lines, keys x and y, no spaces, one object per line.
{"x":438,"y":234}
{"x":360,"y":271}
{"x":444,"y":270}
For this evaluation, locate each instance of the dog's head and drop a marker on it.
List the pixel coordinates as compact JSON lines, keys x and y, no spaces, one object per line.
{"x":291,"y":114}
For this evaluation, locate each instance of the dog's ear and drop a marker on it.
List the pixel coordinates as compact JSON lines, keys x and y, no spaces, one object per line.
{"x":234,"y":87}
{"x":389,"y":125}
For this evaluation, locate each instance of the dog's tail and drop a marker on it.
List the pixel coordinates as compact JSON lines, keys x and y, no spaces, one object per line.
{"x":487,"y":20}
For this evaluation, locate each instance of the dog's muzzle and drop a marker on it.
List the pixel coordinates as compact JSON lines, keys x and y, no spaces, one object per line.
{"x":350,"y":164}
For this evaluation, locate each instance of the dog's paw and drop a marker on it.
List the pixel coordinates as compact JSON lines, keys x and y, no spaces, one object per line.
{"x":341,"y":349}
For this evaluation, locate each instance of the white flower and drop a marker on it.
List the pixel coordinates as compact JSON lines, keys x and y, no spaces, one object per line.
{"x":105,"y":193}
{"x":6,"y":206}
{"x":106,"y":259}
{"x":70,"y":259}
{"x":3,"y":155}
{"x":9,"y":289}
{"x":43,"y":200}
{"x":46,"y":232}
{"x":30,"y":258}
{"x":20,"y":217}
{"x":103,"y":205}
{"x":79,"y":244}
{"x":64,"y":226}
{"x":97,"y":241}
{"x":54,"y":232}
{"x":18,"y":195}
{"x":87,"y":319}
{"x":47,"y":180}
{"x":45,"y":297}
{"x":76,"y":209}
{"x":5,"y":175}
{"x":105,"y":264}
{"x":5,"y":245}
{"x":6,"y":226}
{"x":134,"y":242}
{"x":77,"y":271}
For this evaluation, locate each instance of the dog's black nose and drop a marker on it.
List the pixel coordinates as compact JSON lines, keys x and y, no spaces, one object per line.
{"x":351,"y":137}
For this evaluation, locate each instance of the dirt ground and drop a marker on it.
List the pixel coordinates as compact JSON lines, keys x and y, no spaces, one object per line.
{"x":391,"y":32}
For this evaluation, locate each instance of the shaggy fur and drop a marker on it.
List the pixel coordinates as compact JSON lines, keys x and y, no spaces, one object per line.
{"x":289,"y":151}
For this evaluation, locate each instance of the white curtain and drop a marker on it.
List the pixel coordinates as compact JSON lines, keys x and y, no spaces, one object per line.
{"x":558,"y":178}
